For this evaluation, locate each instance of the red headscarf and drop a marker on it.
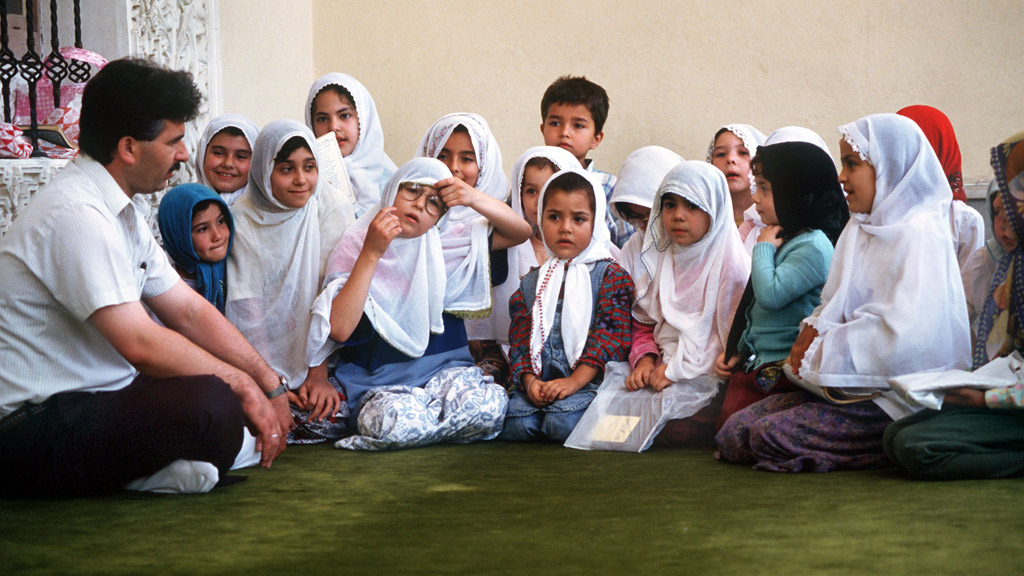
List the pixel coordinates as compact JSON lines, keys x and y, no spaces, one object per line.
{"x":939,"y":131}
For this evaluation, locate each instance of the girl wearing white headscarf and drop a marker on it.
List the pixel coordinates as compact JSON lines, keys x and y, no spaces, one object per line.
{"x":752,"y":224}
{"x":733,"y":159}
{"x":637,"y":185}
{"x":236,"y":163}
{"x":478,"y":222}
{"x":368,"y":166}
{"x":570,"y":317}
{"x":893,"y":304}
{"x":276,"y":263}
{"x":691,"y":296}
{"x":404,"y":360}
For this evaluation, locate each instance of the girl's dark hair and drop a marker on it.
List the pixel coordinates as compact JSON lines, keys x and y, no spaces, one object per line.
{"x":342,"y":93}
{"x":805,"y":188}
{"x":571,"y":182}
{"x":230,"y":131}
{"x":293,"y":144}
{"x":203,"y":206}
{"x":540,"y":162}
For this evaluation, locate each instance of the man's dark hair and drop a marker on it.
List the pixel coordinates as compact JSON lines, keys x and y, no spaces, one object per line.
{"x":577,"y":90}
{"x":133,"y":97}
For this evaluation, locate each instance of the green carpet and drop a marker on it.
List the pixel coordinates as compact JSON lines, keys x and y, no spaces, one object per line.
{"x":527,"y":509}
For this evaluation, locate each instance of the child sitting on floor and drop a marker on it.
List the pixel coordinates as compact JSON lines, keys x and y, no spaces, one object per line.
{"x":893,"y":304}
{"x":225,"y":153}
{"x":404,"y":359}
{"x":529,"y":174}
{"x":569,"y":317}
{"x":799,"y":199}
{"x":339,"y":103}
{"x":639,"y":178}
{"x":985,"y":274}
{"x":275,"y":270}
{"x":197,"y":230}
{"x":731,"y":151}
{"x":697,"y":266}
{"x":465,"y":144}
{"x":980,"y":436}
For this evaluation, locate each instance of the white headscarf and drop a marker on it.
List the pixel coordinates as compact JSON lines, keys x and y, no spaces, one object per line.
{"x":796,"y":134}
{"x":638,"y":181}
{"x":407,"y":293}
{"x":275,"y":263}
{"x":521,"y":258}
{"x":784,"y":134}
{"x":694,"y":289}
{"x":243,"y":123}
{"x":369,"y":167}
{"x":893,"y":303}
{"x":465,"y":232}
{"x":578,"y":303}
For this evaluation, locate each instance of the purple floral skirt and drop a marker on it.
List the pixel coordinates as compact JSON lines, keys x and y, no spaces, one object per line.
{"x":798,"y":431}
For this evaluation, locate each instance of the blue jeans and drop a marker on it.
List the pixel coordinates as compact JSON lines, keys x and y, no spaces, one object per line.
{"x":526,"y":422}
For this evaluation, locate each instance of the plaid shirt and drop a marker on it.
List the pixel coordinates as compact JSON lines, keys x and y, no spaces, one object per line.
{"x":609,"y":336}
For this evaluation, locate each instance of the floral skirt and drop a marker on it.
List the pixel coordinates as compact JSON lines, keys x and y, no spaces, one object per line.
{"x":798,"y":431}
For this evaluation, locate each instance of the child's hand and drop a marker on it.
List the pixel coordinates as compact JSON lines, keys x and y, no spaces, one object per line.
{"x":724,"y":369}
{"x":770,"y":234}
{"x":658,"y":379}
{"x":318,"y":397}
{"x":803,"y":341}
{"x":965,"y":397}
{"x":533,"y":393}
{"x":383,"y":229}
{"x":558,"y":388}
{"x":455,"y":192}
{"x":1001,"y":295}
{"x":640,"y":377}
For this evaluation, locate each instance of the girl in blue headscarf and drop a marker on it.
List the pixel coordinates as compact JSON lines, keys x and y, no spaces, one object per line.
{"x":197,"y":229}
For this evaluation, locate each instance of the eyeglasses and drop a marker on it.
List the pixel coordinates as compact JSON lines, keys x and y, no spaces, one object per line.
{"x":633,"y":219}
{"x":412,"y":191}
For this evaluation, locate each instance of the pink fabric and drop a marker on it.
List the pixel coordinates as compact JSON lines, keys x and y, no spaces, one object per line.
{"x":745,"y":229}
{"x":643,"y":342}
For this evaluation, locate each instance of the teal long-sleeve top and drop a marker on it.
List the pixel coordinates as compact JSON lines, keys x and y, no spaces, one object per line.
{"x":787,"y":287}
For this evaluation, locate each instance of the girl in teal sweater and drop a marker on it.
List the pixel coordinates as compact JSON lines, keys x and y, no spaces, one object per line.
{"x":799,"y":199}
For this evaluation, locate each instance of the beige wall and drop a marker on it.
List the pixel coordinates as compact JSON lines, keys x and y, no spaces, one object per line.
{"x":675,"y":71}
{"x":266,"y":57}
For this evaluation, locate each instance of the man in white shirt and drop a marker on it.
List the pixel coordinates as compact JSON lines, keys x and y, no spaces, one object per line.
{"x":95,"y":395}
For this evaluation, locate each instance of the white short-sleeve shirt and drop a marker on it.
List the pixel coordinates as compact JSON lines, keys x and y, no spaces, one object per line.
{"x":80,"y":246}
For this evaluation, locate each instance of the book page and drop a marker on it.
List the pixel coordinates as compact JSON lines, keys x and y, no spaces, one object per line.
{"x":332,"y":168}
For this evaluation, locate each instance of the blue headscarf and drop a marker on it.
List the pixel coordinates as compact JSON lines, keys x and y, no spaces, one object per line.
{"x":175,"y":219}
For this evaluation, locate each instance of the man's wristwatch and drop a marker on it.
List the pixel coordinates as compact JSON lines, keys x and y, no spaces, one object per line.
{"x":279,"y":390}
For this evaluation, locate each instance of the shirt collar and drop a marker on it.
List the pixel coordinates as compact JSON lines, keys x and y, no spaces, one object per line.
{"x":108,"y":190}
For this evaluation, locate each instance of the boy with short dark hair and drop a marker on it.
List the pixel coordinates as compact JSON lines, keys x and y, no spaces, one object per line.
{"x":573,"y":112}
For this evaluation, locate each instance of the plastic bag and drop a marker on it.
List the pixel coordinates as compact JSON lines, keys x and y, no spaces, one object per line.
{"x":623,"y":420}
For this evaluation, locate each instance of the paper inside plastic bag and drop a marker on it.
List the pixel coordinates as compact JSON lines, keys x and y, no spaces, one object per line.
{"x":623,"y":420}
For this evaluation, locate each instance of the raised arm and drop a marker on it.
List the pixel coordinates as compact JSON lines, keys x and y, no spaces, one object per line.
{"x":509,"y":229}
{"x":347,"y":306}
